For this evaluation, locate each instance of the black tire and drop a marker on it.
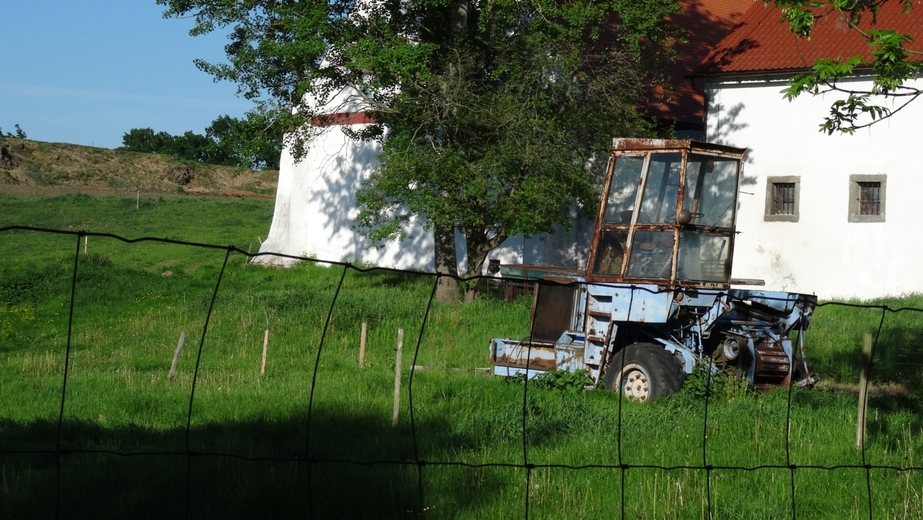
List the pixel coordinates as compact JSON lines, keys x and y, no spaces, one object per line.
{"x":644,"y":372}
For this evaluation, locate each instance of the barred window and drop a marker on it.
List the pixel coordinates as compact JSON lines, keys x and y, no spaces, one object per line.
{"x":867,"y":197}
{"x":782,"y":199}
{"x":870,"y":198}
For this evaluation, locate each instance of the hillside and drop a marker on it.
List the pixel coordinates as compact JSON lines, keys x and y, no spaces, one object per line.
{"x":37,"y":167}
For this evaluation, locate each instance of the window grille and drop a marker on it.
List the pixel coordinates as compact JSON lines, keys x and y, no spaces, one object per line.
{"x":868,"y":194}
{"x":870,"y":198}
{"x":783,"y":198}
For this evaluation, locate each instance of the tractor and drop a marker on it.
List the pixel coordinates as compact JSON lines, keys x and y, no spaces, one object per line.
{"x":656,"y":300}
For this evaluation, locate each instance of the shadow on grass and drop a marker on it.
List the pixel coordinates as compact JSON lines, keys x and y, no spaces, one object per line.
{"x":359,"y":468}
{"x":893,"y":415}
{"x":392,"y":278}
{"x":896,"y":359}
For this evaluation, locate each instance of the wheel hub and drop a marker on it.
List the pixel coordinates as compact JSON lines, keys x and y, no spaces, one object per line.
{"x":635,"y":384}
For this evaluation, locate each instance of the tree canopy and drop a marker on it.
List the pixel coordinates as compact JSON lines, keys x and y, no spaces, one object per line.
{"x":894,"y":63}
{"x":20,"y":133}
{"x":492,"y":115}
{"x":228,"y":141}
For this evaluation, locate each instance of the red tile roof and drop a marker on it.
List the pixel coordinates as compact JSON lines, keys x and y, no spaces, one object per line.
{"x":707,"y":22}
{"x":762,"y":44}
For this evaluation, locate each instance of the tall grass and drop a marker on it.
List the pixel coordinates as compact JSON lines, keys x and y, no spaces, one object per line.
{"x":313,"y":436}
{"x":835,"y":338}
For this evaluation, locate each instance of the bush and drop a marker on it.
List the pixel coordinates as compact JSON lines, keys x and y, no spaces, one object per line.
{"x":726,"y":384}
{"x":563,"y":380}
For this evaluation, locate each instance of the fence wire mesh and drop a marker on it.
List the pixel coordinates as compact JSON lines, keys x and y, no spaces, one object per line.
{"x":93,"y":428}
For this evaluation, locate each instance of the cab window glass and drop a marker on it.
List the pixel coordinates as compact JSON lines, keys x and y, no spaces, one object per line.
{"x":710,"y":193}
{"x":661,"y":189}
{"x":623,"y":190}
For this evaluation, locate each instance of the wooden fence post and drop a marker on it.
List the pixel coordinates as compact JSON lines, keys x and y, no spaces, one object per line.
{"x":265,"y":347}
{"x":179,"y":348}
{"x":397,"y":376}
{"x":362,"y":337}
{"x":863,"y":388}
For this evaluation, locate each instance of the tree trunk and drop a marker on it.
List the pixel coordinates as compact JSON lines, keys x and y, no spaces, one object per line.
{"x":444,"y":251}
{"x":447,"y":290}
{"x":477,"y":256}
{"x":459,"y":15}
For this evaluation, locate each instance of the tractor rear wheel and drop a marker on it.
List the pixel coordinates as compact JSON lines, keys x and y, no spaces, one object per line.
{"x":643,"y":372}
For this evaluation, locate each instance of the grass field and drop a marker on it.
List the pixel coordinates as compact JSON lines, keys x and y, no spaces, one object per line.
{"x":313,"y":436}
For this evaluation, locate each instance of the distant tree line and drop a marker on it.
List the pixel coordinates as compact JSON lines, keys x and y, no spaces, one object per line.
{"x":228,"y":141}
{"x":20,"y":134}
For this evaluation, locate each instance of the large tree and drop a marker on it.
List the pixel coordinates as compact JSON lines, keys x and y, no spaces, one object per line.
{"x":896,"y":62}
{"x":492,"y":114}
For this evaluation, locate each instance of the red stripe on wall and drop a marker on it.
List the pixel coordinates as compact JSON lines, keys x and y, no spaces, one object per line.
{"x":343,"y":118}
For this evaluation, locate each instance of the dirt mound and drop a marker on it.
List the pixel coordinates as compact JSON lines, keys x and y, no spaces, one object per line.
{"x":37,"y":167}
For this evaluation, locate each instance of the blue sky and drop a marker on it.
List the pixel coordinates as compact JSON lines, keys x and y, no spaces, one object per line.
{"x":87,"y":72}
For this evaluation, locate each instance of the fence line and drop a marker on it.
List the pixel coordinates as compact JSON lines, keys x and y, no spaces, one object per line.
{"x":418,"y":462}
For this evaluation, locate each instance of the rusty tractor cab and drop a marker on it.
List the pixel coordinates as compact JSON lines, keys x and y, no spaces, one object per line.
{"x":657,"y":297}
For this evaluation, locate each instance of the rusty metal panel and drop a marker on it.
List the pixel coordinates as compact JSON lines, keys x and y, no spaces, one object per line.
{"x":773,"y":363}
{"x":630,"y":144}
{"x":643,"y":144}
{"x":553,"y":309}
{"x":510,"y":357}
{"x":569,"y":356}
{"x":534,"y":271}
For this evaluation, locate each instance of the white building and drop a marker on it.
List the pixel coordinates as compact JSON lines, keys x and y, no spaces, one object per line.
{"x":316,"y":208}
{"x":833,"y":215}
{"x":316,"y":203}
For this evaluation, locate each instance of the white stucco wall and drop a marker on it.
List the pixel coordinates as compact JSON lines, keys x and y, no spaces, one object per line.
{"x":316,"y":208}
{"x":822,"y":253}
{"x":316,"y":202}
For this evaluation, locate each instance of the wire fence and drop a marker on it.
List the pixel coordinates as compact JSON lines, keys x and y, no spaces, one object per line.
{"x":606,"y":473}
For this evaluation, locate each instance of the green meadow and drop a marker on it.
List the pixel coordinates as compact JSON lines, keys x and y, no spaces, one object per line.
{"x":312,"y":436}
